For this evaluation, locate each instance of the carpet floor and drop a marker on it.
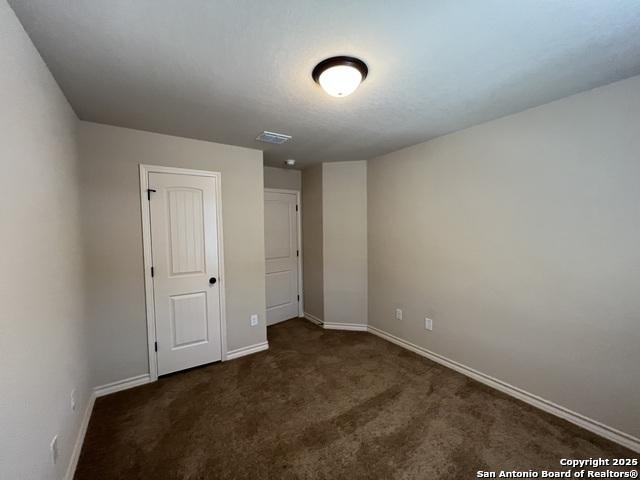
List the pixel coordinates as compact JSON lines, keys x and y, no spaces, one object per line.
{"x":323,"y":404}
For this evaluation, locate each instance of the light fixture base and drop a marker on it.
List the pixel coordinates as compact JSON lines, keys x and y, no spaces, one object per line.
{"x":339,"y":61}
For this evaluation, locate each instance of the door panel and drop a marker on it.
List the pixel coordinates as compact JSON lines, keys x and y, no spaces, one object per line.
{"x":189,"y":319}
{"x":184,"y":244}
{"x":279,"y":285}
{"x":277,"y":221}
{"x":186,"y":248}
{"x":281,"y":250}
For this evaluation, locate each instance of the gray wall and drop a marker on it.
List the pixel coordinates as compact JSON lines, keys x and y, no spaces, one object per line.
{"x":520,"y":238}
{"x":344,"y":212}
{"x":312,"y":263}
{"x":111,"y":214}
{"x":43,"y":333}
{"x":284,"y":178}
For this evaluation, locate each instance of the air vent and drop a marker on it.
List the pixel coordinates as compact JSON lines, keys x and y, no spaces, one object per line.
{"x":275,"y":138}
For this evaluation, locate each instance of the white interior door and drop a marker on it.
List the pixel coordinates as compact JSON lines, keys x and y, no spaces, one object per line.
{"x":281,"y":249}
{"x":185,"y":255}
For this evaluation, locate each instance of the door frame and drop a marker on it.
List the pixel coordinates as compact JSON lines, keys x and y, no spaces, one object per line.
{"x":299,"y":222}
{"x":148,"y":260}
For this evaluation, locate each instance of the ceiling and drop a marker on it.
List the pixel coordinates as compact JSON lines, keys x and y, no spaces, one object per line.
{"x":225,"y":70}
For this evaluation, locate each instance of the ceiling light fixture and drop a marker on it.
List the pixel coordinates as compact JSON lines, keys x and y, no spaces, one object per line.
{"x":340,"y":76}
{"x":290,"y":162}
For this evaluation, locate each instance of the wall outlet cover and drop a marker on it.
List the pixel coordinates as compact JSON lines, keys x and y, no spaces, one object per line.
{"x":398,"y":314}
{"x":73,"y":399}
{"x":254,"y":320}
{"x":428,"y":323}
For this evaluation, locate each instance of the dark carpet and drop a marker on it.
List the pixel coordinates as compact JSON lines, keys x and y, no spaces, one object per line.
{"x":324,"y":405}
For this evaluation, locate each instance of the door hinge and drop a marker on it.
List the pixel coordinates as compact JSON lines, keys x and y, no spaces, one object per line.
{"x":155,"y":345}
{"x":297,"y":253}
{"x":152,"y":271}
{"x":296,"y":208}
{"x":298,"y":297}
{"x":149,"y":192}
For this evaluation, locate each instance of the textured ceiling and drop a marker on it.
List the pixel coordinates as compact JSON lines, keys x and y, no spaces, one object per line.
{"x":225,"y":70}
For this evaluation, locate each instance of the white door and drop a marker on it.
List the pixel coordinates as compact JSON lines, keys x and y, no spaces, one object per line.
{"x":185,"y":255}
{"x":281,"y":249}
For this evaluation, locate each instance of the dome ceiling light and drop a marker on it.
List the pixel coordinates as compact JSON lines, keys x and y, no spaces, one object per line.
{"x":340,"y":76}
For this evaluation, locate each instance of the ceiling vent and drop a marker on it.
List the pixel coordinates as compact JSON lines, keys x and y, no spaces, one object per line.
{"x":274,"y":138}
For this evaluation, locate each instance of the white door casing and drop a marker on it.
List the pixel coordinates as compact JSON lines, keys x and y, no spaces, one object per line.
{"x":282,"y":252}
{"x":185,"y":257}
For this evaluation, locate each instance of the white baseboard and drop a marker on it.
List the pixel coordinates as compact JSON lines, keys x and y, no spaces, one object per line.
{"x":313,"y":319}
{"x":587,"y":423}
{"x":355,"y":327}
{"x":120,"y":385}
{"x":82,"y":431}
{"x":241,"y":352}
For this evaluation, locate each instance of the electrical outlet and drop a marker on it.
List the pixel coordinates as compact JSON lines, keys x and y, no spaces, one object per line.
{"x":398,"y":314}
{"x":73,"y":399}
{"x":54,"y":449}
{"x":428,"y":323}
{"x":254,"y":320}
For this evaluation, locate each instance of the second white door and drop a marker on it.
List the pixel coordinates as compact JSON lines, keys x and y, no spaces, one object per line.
{"x":281,"y":250}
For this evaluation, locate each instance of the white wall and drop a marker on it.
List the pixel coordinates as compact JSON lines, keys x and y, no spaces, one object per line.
{"x":344,"y":212}
{"x":43,"y":333}
{"x":283,"y":178}
{"x":520,"y":238}
{"x":113,"y":239}
{"x":312,"y":262}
